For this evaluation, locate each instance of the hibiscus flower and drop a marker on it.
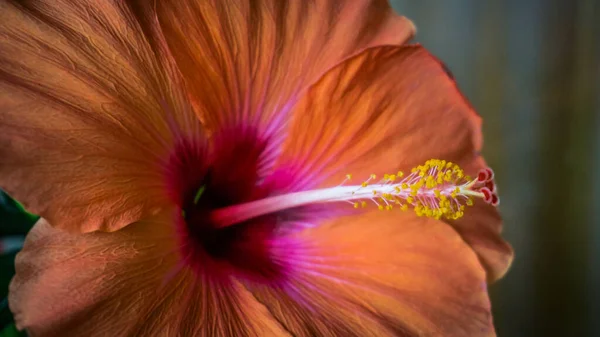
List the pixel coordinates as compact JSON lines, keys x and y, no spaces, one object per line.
{"x":217,"y":168}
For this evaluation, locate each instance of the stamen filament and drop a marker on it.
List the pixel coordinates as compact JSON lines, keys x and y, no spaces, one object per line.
{"x":436,"y":189}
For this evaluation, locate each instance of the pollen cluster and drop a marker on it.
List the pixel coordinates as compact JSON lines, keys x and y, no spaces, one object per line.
{"x":435,"y":189}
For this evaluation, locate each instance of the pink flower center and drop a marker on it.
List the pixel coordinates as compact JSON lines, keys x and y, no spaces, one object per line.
{"x":202,"y":179}
{"x":235,"y":221}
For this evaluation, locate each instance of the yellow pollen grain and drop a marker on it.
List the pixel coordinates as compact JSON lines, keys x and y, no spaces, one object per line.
{"x":435,"y":189}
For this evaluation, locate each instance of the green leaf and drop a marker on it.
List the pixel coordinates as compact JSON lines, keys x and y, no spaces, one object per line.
{"x":15,"y":222}
{"x":14,"y":219}
{"x":11,"y":331}
{"x":7,"y":268}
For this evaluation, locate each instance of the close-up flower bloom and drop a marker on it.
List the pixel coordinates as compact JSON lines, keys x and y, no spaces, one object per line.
{"x":242,"y":168}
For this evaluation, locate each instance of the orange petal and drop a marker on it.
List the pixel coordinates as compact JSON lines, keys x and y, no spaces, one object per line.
{"x":125,"y":283}
{"x":249,"y":61}
{"x":382,"y":274}
{"x":86,"y":111}
{"x":390,"y":109}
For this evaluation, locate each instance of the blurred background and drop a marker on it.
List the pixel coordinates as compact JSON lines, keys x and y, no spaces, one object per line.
{"x":532,"y":70}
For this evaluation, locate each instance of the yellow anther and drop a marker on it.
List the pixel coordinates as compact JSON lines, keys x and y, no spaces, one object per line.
{"x":435,"y":189}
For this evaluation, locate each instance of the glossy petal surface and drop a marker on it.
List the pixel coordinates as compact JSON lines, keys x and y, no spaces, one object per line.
{"x":248,"y":62}
{"x":391,"y":109}
{"x":373,"y":275}
{"x":126,"y":283}
{"x":87,"y":109}
{"x":382,"y":275}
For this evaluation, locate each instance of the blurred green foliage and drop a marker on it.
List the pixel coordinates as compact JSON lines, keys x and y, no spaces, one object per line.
{"x":11,"y":331}
{"x":14,"y":220}
{"x":15,"y":223}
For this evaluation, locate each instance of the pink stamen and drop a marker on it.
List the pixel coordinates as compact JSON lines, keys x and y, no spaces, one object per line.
{"x":436,"y":189}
